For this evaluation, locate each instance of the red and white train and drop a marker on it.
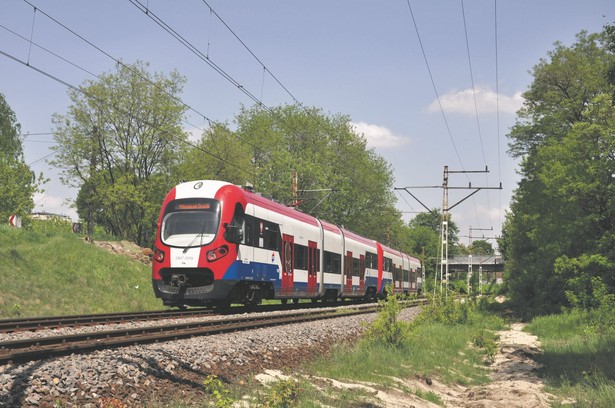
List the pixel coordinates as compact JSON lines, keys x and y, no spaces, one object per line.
{"x":218,"y":243}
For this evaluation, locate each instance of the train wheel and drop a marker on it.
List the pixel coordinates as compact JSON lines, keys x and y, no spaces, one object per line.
{"x":296,"y":301}
{"x":284,"y":301}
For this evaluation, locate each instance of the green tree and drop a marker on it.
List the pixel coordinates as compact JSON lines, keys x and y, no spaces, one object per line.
{"x":481,"y":247}
{"x":432,"y":221}
{"x":119,"y":143}
{"x":339,"y":178}
{"x":218,"y":155}
{"x":563,"y":205}
{"x":17,"y":181}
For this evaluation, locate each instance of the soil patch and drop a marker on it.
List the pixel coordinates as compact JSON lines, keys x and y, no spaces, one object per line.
{"x":514,"y":381}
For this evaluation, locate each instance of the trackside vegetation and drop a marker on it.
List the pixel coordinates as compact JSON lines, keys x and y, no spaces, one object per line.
{"x":50,"y":271}
{"x":578,"y":353}
{"x":453,"y":346}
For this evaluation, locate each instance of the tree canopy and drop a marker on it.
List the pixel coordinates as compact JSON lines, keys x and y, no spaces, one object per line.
{"x":17,"y":181}
{"x":118,"y":144}
{"x":339,"y":178}
{"x":563,"y":210}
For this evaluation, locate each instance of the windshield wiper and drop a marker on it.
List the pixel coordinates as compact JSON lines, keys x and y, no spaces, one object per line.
{"x":195,"y":237}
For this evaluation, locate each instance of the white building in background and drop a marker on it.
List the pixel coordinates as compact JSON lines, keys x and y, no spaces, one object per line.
{"x":42,"y":215}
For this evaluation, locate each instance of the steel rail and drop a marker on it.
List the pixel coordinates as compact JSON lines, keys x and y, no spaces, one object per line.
{"x":17,"y":351}
{"x":51,"y":322}
{"x":54,"y":322}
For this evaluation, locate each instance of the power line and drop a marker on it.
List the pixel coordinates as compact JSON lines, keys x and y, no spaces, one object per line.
{"x":433,"y":84}
{"x":117,"y":109}
{"x":117,"y":61}
{"x":480,"y":135}
{"x":497,"y":102}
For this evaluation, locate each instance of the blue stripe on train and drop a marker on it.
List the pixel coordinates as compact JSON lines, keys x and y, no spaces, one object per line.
{"x":254,"y":271}
{"x":262,"y":272}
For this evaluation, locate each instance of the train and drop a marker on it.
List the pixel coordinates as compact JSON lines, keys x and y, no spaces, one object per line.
{"x":218,"y":243}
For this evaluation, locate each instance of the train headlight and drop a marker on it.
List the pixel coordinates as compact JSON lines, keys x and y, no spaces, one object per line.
{"x":158,"y":255}
{"x":217,"y":253}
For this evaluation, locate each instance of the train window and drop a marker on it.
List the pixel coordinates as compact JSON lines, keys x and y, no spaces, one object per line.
{"x":337,"y":263}
{"x":190,"y":222}
{"x":301,"y":252}
{"x":248,"y":230}
{"x":271,"y":235}
{"x":355,"y":267}
{"x":333,"y":262}
{"x":371,"y":260}
{"x":327,"y":261}
{"x":388,"y":264}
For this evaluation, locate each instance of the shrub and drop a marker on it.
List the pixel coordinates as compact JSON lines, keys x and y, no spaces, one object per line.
{"x":387,"y":329}
{"x":282,"y":394}
{"x":218,"y":391}
{"x":448,"y":309}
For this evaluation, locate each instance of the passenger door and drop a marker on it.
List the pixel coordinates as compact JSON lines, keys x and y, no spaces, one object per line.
{"x":313,"y":262}
{"x":348,"y":265}
{"x":288,"y":273}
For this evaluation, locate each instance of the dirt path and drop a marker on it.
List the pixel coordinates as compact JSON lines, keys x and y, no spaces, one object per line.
{"x":514,"y":381}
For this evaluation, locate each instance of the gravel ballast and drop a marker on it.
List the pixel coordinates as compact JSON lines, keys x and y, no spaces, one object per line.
{"x":149,"y":374}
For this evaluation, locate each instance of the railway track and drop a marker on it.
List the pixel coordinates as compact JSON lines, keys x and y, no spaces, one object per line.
{"x":18,"y":351}
{"x":54,"y":322}
{"x":38,"y":323}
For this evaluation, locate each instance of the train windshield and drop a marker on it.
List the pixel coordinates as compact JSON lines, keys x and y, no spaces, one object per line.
{"x":190,"y":222}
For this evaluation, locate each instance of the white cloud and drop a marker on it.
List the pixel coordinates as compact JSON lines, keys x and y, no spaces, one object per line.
{"x":486,"y":102}
{"x":378,"y":136}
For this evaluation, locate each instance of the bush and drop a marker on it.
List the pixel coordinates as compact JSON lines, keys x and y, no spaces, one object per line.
{"x":448,"y":309}
{"x":387,"y":329}
{"x":283,"y":394}
{"x":218,"y":391}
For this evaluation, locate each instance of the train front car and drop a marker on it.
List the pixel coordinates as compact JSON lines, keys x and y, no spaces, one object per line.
{"x":199,"y":229}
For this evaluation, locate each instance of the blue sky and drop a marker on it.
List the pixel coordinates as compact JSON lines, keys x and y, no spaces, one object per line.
{"x":358,"y":58}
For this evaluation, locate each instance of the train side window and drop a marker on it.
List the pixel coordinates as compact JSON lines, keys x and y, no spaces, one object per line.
{"x":371,"y":260}
{"x":301,"y":256}
{"x":234,"y":231}
{"x":355,"y":267}
{"x":388,"y":263}
{"x":271,"y":236}
{"x":250,"y":236}
{"x":336,"y":263}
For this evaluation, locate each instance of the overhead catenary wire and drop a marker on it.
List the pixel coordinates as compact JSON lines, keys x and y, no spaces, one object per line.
{"x":193,"y":49}
{"x":117,"y":109}
{"x":205,"y":57}
{"x":102,"y":51}
{"x":433,"y":84}
{"x":497,"y":103}
{"x":478,"y":127}
{"x":117,"y":61}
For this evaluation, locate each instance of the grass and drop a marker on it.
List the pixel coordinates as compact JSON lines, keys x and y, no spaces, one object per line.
{"x":578,"y":357}
{"x":429,"y":349}
{"x":47,"y":273}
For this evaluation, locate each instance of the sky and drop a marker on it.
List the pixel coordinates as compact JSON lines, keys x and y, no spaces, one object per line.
{"x":428,"y":83}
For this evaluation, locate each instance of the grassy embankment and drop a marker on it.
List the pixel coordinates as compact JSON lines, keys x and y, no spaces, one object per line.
{"x":45,"y":272}
{"x":579,"y":356}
